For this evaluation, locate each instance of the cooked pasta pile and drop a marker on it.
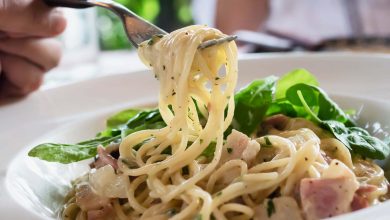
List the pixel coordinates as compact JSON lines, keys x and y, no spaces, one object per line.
{"x":162,"y":173}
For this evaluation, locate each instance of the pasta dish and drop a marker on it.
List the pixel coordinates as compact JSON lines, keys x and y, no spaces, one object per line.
{"x":277,"y":149}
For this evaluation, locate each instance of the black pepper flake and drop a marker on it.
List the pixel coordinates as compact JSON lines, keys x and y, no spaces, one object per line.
{"x":337,"y":163}
{"x":306,"y":159}
{"x":172,"y":77}
{"x":163,"y":67}
{"x":185,"y":170}
{"x":217,"y":78}
{"x":171,"y":212}
{"x":229,"y":150}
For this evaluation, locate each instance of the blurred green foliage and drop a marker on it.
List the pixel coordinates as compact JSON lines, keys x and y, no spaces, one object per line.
{"x":167,"y":14}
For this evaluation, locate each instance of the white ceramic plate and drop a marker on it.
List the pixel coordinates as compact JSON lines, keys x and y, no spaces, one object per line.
{"x":77,"y":111}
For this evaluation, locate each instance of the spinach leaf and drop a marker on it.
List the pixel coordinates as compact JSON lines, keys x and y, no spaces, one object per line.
{"x":356,"y":139}
{"x":282,"y":107}
{"x":63,"y":153}
{"x":324,"y":107}
{"x":280,"y":104}
{"x":121,"y":118}
{"x":209,"y":151}
{"x":251,"y":104}
{"x":69,"y":153}
{"x":145,"y":117}
{"x":292,"y":78}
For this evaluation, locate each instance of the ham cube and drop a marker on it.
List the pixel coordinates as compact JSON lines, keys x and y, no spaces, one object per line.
{"x":326,"y":197}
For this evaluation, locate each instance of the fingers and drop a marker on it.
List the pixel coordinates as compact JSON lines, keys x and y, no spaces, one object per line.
{"x":45,"y":53}
{"x":19,"y":76}
{"x":30,"y":17}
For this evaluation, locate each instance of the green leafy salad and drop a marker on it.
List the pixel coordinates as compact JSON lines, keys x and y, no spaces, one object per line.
{"x":296,"y":94}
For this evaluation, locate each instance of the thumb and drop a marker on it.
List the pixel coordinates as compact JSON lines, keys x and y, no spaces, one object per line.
{"x":30,"y":17}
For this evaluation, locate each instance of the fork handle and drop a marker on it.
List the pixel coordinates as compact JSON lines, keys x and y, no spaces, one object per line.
{"x":68,"y":3}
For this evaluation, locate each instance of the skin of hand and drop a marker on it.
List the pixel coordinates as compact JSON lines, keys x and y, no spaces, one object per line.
{"x":27,"y":47}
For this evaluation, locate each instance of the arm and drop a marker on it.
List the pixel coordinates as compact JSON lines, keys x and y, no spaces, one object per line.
{"x":233,"y":15}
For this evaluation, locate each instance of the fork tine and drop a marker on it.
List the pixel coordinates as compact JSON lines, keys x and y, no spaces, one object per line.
{"x":213,"y":42}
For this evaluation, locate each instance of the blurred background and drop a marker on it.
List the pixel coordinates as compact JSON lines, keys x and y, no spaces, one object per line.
{"x":100,"y":30}
{"x":95,"y":42}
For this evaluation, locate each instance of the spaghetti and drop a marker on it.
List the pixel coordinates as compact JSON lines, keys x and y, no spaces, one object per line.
{"x":162,"y":173}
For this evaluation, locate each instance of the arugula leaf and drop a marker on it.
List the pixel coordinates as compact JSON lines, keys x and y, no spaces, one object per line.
{"x":251,"y":104}
{"x":292,"y":78}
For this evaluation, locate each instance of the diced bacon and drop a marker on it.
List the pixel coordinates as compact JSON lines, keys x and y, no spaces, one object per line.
{"x":278,"y":122}
{"x":103,"y":159}
{"x":359,"y":202}
{"x":240,"y":146}
{"x":87,"y":200}
{"x":366,"y":189}
{"x":326,"y":197}
{"x":283,"y":208}
{"x":360,"y":199}
{"x":105,"y":213}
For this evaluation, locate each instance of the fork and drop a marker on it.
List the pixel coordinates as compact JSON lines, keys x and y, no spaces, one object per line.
{"x":137,"y":29}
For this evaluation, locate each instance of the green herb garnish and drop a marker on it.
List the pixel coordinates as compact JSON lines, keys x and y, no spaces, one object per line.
{"x":270,"y":207}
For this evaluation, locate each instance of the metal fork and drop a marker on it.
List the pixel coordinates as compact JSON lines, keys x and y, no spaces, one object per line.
{"x":137,"y":29}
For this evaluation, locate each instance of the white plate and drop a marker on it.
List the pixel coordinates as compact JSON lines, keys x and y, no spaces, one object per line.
{"x":77,"y":111}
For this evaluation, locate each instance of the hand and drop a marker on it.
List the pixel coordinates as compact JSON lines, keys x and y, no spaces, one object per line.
{"x":26,"y":48}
